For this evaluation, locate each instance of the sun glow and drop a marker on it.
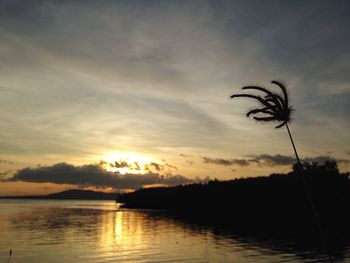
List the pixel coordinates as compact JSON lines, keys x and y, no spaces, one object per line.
{"x":127,"y":163}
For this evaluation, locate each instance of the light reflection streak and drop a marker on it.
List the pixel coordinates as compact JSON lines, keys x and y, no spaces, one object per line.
{"x":92,"y":231}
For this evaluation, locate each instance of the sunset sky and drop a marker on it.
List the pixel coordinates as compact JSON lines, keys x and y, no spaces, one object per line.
{"x":123,"y":94}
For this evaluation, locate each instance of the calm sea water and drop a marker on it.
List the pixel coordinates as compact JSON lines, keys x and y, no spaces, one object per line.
{"x":99,"y":231}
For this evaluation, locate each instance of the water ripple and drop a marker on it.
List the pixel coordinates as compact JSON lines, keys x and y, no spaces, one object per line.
{"x":99,"y":231}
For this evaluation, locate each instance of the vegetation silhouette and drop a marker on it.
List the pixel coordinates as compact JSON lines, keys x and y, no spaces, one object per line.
{"x":273,"y":204}
{"x":263,"y":196}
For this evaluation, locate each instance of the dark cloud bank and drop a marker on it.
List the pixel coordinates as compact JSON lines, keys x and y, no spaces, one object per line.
{"x":269,"y":160}
{"x":95,"y":175}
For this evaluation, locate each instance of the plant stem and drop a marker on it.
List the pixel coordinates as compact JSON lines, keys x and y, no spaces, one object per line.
{"x":310,"y":200}
{"x":295,"y":150}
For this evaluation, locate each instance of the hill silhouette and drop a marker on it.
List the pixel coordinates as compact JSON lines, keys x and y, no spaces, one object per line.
{"x":73,"y":194}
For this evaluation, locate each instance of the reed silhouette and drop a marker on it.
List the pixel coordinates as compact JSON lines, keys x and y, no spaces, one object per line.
{"x":276,"y":108}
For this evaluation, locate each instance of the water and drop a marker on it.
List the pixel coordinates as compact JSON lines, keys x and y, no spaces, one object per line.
{"x":99,"y":231}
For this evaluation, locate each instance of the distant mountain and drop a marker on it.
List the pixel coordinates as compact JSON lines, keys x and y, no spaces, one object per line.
{"x":83,"y":194}
{"x":73,"y":194}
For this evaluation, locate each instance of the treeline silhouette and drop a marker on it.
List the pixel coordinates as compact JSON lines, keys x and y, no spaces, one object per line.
{"x":278,"y":200}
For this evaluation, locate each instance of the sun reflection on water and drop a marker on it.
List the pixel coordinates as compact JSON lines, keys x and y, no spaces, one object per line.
{"x":118,"y":227}
{"x":99,"y":231}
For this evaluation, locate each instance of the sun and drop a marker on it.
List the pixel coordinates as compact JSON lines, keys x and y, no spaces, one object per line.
{"x":127,"y":163}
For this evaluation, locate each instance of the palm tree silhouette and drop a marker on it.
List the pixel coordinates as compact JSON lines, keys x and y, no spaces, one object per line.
{"x":276,"y":108}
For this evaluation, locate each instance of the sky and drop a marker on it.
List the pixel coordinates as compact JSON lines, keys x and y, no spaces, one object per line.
{"x":117,"y":95}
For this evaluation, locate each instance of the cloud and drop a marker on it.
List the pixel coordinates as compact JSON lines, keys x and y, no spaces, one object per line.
{"x":187,"y":158}
{"x":5,"y":173}
{"x":189,"y":162}
{"x":322,"y":159}
{"x":6,"y":161}
{"x":136,"y":166}
{"x":92,"y":64}
{"x":270,"y":160}
{"x":185,"y":155}
{"x":226,"y":162}
{"x":120,"y":164}
{"x":156,"y":75}
{"x":154,"y":165}
{"x":157,"y":167}
{"x":94,"y":175}
{"x":170,"y":166}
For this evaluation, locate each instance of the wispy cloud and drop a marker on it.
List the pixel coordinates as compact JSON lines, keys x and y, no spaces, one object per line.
{"x":158,"y":167}
{"x":5,"y":173}
{"x":6,"y":161}
{"x":185,"y":155}
{"x":94,"y":77}
{"x":187,"y":158}
{"x":189,"y":162}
